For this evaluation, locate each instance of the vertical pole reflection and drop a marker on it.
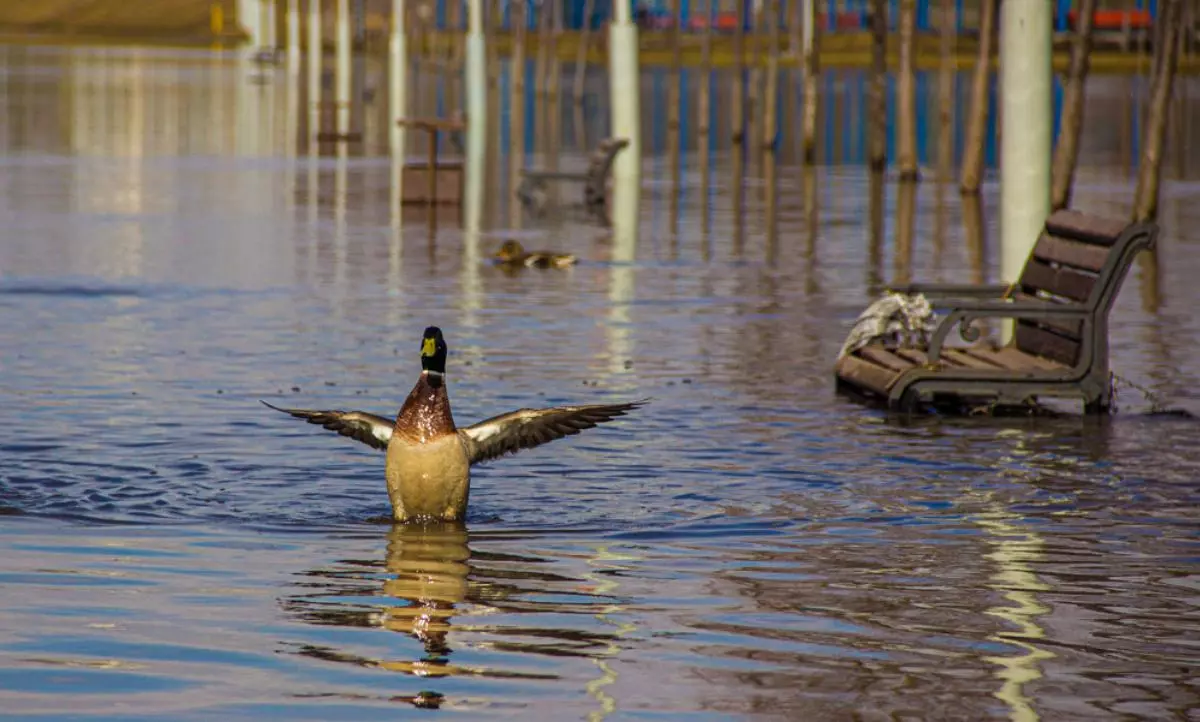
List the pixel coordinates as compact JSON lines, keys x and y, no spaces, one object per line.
{"x":1014,"y":549}
{"x":315,"y":53}
{"x":339,"y":225}
{"x":875,"y":234}
{"x":606,"y":584}
{"x":620,"y":295}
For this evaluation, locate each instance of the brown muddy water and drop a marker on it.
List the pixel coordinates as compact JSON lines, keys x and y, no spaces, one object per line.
{"x":749,"y":545}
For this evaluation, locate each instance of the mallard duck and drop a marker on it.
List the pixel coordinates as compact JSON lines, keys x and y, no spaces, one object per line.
{"x":429,"y":459}
{"x":514,"y":254}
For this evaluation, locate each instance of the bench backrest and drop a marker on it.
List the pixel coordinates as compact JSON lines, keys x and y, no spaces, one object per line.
{"x":599,"y":166}
{"x":1078,"y":259}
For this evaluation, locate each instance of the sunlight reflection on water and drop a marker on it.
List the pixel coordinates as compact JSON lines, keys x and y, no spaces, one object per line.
{"x":747,"y":545}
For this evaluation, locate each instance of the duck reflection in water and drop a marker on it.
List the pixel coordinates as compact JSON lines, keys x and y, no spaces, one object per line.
{"x":429,"y":575}
{"x":427,"y":565}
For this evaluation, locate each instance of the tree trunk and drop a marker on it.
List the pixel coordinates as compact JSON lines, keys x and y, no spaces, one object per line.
{"x":581,"y":68}
{"x":906,"y":121}
{"x":674,"y":100}
{"x":877,"y":102}
{"x":737,"y":108}
{"x":703,"y":130}
{"x":946,"y":94}
{"x":737,"y":125}
{"x":972,"y":165}
{"x":516,"y":110}
{"x":1145,"y":202}
{"x":812,"y":98}
{"x":1066,"y":152}
{"x":771,"y":77}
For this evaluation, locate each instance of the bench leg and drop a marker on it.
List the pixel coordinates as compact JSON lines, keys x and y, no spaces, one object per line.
{"x":596,"y":203}
{"x":532,"y":194}
{"x":1098,"y":397}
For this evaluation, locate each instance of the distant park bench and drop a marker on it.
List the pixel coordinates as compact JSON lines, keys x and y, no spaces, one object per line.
{"x":434,"y":181}
{"x":328,"y":110}
{"x":534,"y":182}
{"x":1059,"y":347}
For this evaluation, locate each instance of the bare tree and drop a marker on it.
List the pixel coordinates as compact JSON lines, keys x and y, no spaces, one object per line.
{"x":972,"y":163}
{"x":906,"y":119}
{"x":877,"y":99}
{"x":1066,"y":152}
{"x":1145,"y":201}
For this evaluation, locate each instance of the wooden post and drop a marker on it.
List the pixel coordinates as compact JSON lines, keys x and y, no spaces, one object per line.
{"x":737,"y":122}
{"x":315,"y":53}
{"x":516,"y":109}
{"x":581,"y":53}
{"x":878,"y":89}
{"x":1066,"y":152}
{"x":754,"y":83}
{"x":552,"y":110}
{"x":906,"y":120}
{"x":703,"y":115}
{"x":1145,"y":202}
{"x":946,"y":93}
{"x":972,"y":163}
{"x":795,"y":20}
{"x":674,"y":100}
{"x":494,"y":174}
{"x":771,"y":89}
{"x":541,"y":79}
{"x":1179,"y":129}
{"x":770,"y":16}
{"x":343,"y":68}
{"x":812,"y":95}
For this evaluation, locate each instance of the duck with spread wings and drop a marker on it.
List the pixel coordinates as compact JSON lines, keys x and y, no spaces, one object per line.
{"x":429,"y":459}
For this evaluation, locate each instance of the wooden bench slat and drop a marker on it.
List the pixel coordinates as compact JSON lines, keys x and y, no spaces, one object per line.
{"x":1092,"y":229}
{"x":1040,"y":342}
{"x":918,"y":357}
{"x":1065,"y":282}
{"x":1012,"y":359}
{"x":861,"y":372}
{"x":961,"y":357}
{"x":885,"y":358}
{"x":1066,"y":327}
{"x":1070,"y":252}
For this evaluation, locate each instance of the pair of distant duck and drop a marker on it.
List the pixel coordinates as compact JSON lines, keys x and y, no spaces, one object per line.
{"x":513,"y":254}
{"x":429,"y":458}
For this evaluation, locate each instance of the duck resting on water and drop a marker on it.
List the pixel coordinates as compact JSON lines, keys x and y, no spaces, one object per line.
{"x":512,"y":254}
{"x":429,"y":459}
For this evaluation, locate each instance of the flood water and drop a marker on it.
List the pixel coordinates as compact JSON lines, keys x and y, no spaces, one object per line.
{"x":748,"y":545}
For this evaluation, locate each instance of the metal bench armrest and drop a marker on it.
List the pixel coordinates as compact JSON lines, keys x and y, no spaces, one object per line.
{"x":991,"y":290}
{"x":964,"y":314}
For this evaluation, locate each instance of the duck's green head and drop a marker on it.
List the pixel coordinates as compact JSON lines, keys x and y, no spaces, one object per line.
{"x":433,"y":351}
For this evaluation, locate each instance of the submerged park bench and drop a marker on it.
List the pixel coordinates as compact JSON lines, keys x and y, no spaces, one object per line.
{"x":1059,"y":347}
{"x":532,"y":190}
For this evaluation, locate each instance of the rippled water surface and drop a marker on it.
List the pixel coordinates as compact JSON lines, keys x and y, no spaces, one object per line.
{"x":747,"y":545}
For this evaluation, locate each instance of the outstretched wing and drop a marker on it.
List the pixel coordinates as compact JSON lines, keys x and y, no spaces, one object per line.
{"x":527,"y":428}
{"x":372,"y":430}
